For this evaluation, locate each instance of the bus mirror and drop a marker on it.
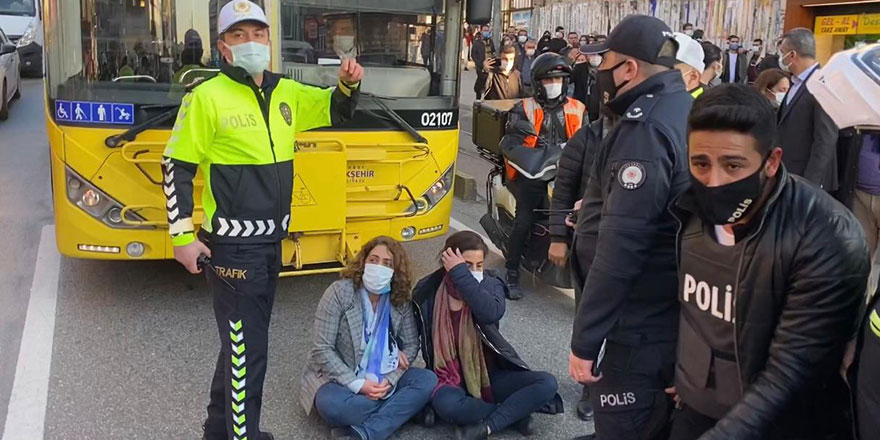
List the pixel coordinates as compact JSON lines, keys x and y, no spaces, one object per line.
{"x":479,"y":12}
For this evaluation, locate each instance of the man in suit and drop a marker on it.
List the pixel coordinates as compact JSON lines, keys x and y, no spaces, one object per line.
{"x":736,"y":62}
{"x":807,"y":134}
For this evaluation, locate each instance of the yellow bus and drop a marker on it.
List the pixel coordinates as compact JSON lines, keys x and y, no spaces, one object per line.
{"x":115,"y":74}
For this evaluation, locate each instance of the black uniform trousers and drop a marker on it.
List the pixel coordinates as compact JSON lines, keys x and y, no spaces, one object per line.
{"x":630,"y":401}
{"x":243,"y":323}
{"x":530,"y":195}
{"x":867,"y":385}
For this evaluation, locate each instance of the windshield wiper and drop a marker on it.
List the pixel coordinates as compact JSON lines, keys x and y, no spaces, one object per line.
{"x":393,"y":115}
{"x":132,"y":133}
{"x":397,"y":118}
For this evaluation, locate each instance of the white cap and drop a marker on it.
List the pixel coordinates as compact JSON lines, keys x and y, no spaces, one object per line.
{"x":238,"y":11}
{"x":690,"y":52}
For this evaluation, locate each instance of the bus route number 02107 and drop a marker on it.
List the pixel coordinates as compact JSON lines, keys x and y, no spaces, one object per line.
{"x":437,"y":119}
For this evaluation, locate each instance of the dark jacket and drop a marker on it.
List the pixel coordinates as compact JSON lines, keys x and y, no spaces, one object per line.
{"x":557,"y":45}
{"x":482,"y":50}
{"x":808,"y":138}
{"x":487,"y":303}
{"x":624,"y":246}
{"x":742,"y":67}
{"x":798,"y":299}
{"x":545,"y":156}
{"x":501,"y":85}
{"x":572,"y":176}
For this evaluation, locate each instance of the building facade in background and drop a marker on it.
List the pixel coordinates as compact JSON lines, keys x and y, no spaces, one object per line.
{"x":748,"y":19}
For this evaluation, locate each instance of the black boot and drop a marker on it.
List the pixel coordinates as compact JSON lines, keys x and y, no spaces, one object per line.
{"x":478,"y":431}
{"x":524,"y":426}
{"x":425,"y":417}
{"x":514,"y":291}
{"x":585,"y":406}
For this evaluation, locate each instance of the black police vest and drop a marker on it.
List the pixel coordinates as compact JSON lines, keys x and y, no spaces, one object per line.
{"x":706,"y":373}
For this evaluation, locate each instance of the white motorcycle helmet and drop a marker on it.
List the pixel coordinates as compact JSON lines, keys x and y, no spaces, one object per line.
{"x":848,"y":88}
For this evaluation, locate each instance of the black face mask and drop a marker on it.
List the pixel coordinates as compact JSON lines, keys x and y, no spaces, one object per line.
{"x":605,"y":80}
{"x":726,"y":204}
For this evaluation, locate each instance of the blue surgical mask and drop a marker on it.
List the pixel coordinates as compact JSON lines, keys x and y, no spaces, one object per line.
{"x":251,"y":56}
{"x":487,"y":34}
{"x":734,"y":46}
{"x":377,"y":278}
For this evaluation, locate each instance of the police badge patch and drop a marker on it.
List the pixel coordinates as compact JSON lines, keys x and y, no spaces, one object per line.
{"x":286,"y":113}
{"x":631,"y":175}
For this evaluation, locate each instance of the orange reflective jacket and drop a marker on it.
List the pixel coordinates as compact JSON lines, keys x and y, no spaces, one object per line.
{"x":574,"y":115}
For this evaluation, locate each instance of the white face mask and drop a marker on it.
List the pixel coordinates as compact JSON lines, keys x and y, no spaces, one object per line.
{"x":780,"y":96}
{"x":508,"y":64}
{"x":251,"y":56}
{"x":689,"y":32}
{"x":522,"y":38}
{"x":478,"y":274}
{"x":595,"y":61}
{"x":377,"y":278}
{"x":785,"y":67}
{"x":343,"y":45}
{"x":530,"y":52}
{"x":559,"y":35}
{"x":553,"y":90}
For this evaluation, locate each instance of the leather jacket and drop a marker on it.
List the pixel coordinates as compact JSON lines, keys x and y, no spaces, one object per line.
{"x":800,"y":290}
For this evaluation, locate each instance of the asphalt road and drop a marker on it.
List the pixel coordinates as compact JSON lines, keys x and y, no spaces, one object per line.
{"x":135,"y":342}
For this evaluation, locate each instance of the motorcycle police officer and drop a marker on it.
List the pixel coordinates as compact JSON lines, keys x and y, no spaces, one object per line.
{"x":624,"y":246}
{"x":537,"y":130}
{"x":238,"y":128}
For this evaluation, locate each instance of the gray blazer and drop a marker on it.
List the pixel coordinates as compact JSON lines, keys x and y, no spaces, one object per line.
{"x":336,"y":350}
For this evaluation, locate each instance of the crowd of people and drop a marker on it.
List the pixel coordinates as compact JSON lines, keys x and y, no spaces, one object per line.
{"x":720,"y":287}
{"x":718,"y":251}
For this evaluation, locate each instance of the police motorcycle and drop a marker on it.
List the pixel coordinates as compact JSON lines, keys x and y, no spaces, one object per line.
{"x":490,"y":137}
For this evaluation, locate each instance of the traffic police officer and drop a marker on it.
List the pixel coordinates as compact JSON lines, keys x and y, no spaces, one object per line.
{"x":238,"y":128}
{"x":624,"y":245}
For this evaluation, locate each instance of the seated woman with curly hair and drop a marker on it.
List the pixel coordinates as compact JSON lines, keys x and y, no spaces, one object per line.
{"x":358,"y":376}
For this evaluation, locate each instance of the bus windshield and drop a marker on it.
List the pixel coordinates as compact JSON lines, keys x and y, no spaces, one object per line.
{"x":18,"y":7}
{"x":135,"y":52}
{"x":401,"y":44}
{"x":146,"y":52}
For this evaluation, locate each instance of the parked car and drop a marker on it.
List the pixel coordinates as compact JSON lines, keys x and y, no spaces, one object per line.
{"x":10,"y":75}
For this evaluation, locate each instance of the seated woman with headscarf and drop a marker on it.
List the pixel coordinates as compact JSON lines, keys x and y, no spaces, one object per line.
{"x":483,"y":385}
{"x":358,"y":375}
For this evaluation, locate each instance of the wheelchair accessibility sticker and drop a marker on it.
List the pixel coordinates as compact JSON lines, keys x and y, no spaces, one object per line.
{"x":85,"y":112}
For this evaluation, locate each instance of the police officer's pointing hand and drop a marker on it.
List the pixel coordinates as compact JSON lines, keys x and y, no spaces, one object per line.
{"x":350,"y":72}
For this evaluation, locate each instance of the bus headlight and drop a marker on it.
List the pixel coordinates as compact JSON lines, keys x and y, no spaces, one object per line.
{"x":96,"y":203}
{"x":135,"y":249}
{"x":408,"y":233}
{"x":439,"y":189}
{"x":91,"y":198}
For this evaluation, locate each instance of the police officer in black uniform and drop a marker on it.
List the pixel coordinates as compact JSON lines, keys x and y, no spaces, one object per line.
{"x":772,"y":278}
{"x":624,"y":245}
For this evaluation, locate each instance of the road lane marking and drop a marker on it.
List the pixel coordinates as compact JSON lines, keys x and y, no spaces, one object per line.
{"x":28,"y":402}
{"x":457,"y":225}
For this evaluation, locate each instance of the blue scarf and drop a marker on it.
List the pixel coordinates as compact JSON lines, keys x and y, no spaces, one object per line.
{"x":380,"y":350}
